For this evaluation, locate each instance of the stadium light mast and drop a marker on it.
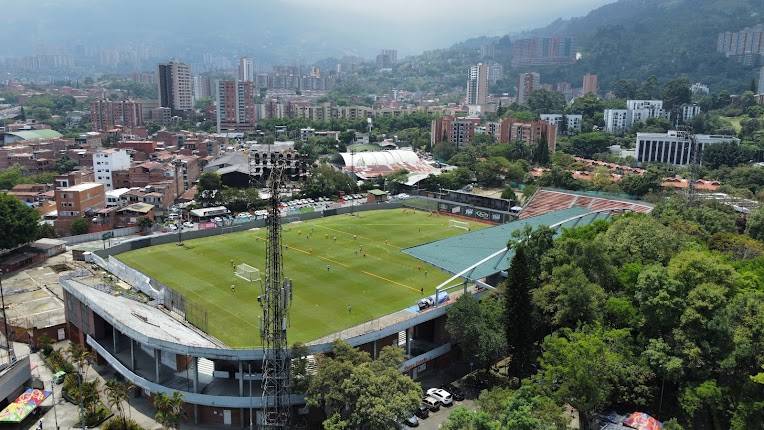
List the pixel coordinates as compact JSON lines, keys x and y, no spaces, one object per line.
{"x":276,"y":293}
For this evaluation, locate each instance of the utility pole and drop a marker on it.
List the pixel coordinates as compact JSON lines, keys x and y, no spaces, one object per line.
{"x":178,"y":191}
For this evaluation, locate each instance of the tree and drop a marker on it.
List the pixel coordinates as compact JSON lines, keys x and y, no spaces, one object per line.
{"x":81,"y":357}
{"x":509,"y":194}
{"x":462,"y":418}
{"x":639,"y":185}
{"x":300,"y":375}
{"x":18,"y":222}
{"x":545,"y":101}
{"x":675,"y":93}
{"x":581,"y":368}
{"x":443,"y":151}
{"x":478,"y":328}
{"x":325,"y":181}
{"x":65,"y":164}
{"x":118,"y":392}
{"x":640,"y":239}
{"x":358,"y":393}
{"x":491,"y":172}
{"x":587,"y":144}
{"x":754,"y":226}
{"x":541,"y":152}
{"x":518,"y":316}
{"x":169,"y":409}
{"x":570,"y":299}
{"x":80,"y":226}
{"x":208,"y":188}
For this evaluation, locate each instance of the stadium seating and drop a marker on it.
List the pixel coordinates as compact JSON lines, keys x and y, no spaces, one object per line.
{"x":545,"y":201}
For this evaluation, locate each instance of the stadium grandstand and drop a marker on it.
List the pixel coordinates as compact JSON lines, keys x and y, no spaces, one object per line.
{"x":374,"y":164}
{"x":547,"y":200}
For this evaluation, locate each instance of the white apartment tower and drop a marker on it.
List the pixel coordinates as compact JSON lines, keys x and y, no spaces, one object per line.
{"x":246,"y":69}
{"x":105,"y":162}
{"x":477,"y":85}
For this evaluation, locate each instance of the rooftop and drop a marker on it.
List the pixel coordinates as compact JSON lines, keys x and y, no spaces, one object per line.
{"x":82,"y":187}
{"x":36,"y":134}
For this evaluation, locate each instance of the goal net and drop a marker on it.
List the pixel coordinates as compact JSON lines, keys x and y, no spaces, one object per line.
{"x":247,"y":272}
{"x":459,"y":224}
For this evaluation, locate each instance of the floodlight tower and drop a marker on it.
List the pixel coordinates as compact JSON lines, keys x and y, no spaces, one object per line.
{"x":277,"y":292}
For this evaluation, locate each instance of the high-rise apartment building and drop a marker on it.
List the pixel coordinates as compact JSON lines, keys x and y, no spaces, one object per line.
{"x":387,"y":58}
{"x":495,"y":73}
{"x":106,"y":114}
{"x":543,"y":51}
{"x":745,"y":46}
{"x":202,"y":87}
{"x":590,"y":85}
{"x":235,"y":106}
{"x":477,"y":84}
{"x":761,"y":81}
{"x":175,"y":87}
{"x":246,"y":69}
{"x":526,"y":84}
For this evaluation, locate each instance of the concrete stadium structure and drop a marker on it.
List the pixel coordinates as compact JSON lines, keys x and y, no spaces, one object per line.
{"x":151,"y":343}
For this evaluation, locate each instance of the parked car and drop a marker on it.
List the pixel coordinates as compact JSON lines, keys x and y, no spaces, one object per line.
{"x":431,"y":403}
{"x":173,"y":227}
{"x":441,"y":395}
{"x":217,"y":219}
{"x":412,"y":421}
{"x":244,"y":215}
{"x":422,"y":411}
{"x":425,"y":303}
{"x":455,"y":391}
{"x":188,"y":224}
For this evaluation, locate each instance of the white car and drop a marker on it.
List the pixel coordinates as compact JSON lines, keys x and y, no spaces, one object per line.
{"x":173,"y":227}
{"x":217,"y":219}
{"x":441,"y":395}
{"x":188,"y":224}
{"x":244,"y":215}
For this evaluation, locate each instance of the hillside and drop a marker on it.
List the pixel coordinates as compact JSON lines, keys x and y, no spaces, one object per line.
{"x":628,"y":39}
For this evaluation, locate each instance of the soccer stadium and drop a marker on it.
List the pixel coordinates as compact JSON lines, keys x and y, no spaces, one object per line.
{"x":374,"y":275}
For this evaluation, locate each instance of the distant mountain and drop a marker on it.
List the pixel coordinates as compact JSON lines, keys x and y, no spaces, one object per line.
{"x":633,"y":39}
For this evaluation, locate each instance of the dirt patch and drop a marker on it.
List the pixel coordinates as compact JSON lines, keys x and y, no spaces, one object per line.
{"x":58,"y":268}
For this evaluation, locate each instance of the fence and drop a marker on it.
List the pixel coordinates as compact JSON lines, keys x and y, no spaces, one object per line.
{"x":89,"y":237}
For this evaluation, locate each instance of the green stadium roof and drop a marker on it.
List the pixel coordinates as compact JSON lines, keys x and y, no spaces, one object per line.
{"x":457,"y":253}
{"x":36,"y":134}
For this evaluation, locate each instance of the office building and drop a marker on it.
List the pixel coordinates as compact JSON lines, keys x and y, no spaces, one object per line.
{"x":566,"y":124}
{"x":675,"y":147}
{"x":526,"y":84}
{"x":246,"y":69}
{"x":235,"y":106}
{"x":477,"y":85}
{"x":106,"y":161}
{"x":106,"y":114}
{"x":175,"y":87}
{"x":590,"y":85}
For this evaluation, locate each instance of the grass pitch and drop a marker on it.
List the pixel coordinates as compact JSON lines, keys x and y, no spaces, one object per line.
{"x":334,"y":263}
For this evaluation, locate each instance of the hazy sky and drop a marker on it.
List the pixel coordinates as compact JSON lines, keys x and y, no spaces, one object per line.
{"x":306,"y":28}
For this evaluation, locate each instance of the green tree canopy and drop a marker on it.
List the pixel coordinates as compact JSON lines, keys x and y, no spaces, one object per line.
{"x":18,"y":222}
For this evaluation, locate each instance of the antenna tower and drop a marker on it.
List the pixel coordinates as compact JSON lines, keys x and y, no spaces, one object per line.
{"x":277,"y":295}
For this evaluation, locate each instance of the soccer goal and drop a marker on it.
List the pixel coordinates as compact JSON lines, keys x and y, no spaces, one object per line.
{"x":247,"y":272}
{"x":459,"y":224}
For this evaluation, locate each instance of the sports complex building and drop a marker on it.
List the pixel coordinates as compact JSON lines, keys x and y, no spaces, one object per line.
{"x":355,"y":278}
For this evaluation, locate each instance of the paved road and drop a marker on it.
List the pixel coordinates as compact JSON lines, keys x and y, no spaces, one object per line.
{"x":436,"y":419}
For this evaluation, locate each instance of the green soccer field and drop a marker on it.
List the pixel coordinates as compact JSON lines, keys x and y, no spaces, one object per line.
{"x":334,"y":263}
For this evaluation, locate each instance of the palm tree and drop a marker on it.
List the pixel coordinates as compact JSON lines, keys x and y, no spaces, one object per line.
{"x":116,"y":393}
{"x":169,"y":409}
{"x":81,"y":357}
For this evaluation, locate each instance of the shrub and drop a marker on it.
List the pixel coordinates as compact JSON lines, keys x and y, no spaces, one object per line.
{"x":117,"y":424}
